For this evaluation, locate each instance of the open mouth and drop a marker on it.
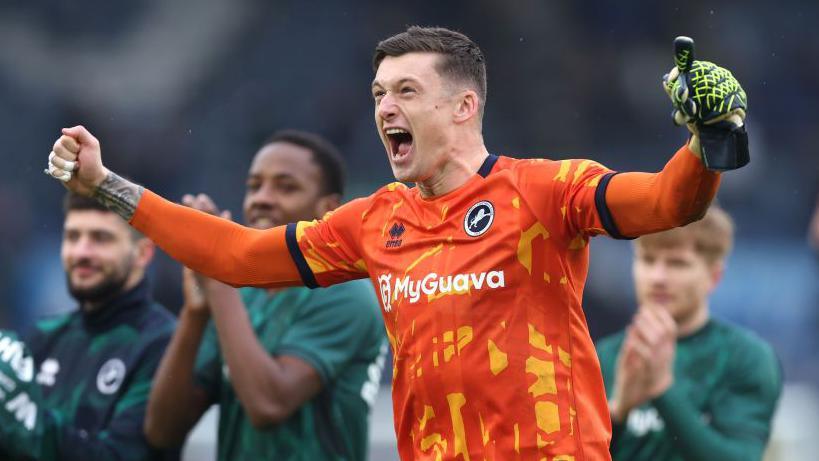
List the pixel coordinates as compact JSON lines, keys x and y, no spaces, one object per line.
{"x":400,"y":142}
{"x":263,"y":217}
{"x":262,"y":222}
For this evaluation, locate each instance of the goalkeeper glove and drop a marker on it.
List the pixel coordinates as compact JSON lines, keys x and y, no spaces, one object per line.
{"x":710,"y":101}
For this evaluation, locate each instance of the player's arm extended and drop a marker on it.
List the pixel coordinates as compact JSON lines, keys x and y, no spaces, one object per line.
{"x":215,"y":247}
{"x":643,"y":203}
{"x":211,"y":246}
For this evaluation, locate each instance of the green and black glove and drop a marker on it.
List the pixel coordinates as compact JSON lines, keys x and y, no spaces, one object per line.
{"x":711,"y":102}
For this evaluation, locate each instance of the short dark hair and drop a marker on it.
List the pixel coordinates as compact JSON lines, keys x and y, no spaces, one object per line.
{"x":462,"y":60}
{"x":325,"y":154}
{"x":76,"y":202}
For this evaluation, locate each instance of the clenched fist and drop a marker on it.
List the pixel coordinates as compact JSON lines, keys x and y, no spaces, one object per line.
{"x":76,"y":160}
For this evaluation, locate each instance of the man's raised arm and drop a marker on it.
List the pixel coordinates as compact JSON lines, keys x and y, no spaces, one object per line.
{"x":712,"y":104}
{"x":215,"y":247}
{"x":643,"y":203}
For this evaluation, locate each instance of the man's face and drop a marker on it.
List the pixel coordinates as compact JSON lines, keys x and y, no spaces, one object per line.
{"x":413,"y":114}
{"x":283,"y":186}
{"x":99,"y":254}
{"x":676,"y":278}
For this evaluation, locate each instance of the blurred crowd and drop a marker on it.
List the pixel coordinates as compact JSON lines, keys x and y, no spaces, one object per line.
{"x":181,"y":93}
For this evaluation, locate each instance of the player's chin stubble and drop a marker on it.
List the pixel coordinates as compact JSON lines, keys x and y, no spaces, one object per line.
{"x":110,"y":286}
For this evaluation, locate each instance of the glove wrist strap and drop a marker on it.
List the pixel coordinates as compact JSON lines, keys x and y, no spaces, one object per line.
{"x":723,"y":147}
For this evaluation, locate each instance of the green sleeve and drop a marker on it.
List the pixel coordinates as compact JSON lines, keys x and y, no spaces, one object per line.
{"x":739,"y":427}
{"x":328,"y":330}
{"x":207,"y":369}
{"x":30,"y":431}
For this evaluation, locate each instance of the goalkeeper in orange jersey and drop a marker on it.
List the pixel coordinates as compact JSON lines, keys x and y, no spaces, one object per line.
{"x":480,"y":267}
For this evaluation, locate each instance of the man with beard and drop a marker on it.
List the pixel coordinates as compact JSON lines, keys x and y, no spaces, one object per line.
{"x":294,"y":371}
{"x":91,"y":369}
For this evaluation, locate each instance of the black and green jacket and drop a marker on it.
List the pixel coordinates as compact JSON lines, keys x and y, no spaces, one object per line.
{"x":90,"y":383}
{"x":726,"y":385}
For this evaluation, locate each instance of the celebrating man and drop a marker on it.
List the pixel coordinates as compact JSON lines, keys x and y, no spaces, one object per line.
{"x":480,"y":267}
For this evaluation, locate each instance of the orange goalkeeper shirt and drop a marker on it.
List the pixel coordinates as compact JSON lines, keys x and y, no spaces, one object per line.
{"x":481,"y":293}
{"x":480,"y":288}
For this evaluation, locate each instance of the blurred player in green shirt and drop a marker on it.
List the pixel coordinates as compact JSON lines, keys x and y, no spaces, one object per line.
{"x":683,"y":386}
{"x":294,"y":370}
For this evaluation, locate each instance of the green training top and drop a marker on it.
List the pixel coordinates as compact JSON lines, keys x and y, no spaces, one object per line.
{"x":90,"y":377}
{"x":726,"y":385}
{"x":338,"y":331}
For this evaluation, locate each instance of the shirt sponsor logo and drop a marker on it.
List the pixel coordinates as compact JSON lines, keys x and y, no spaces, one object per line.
{"x":479,"y":218}
{"x":47,"y":375}
{"x":12,"y":351}
{"x":24,"y":410}
{"x":433,"y":284}
{"x":396,"y":231}
{"x":369,"y":390}
{"x":19,"y":404}
{"x":644,"y":420}
{"x":111,"y":376}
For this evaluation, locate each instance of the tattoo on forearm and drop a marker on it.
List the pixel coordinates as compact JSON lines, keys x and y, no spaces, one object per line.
{"x":119,"y":195}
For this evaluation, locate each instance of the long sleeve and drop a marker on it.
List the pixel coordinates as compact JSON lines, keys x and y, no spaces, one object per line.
{"x":739,"y":426}
{"x":643,"y":203}
{"x":216,"y":247}
{"x":312,"y":253}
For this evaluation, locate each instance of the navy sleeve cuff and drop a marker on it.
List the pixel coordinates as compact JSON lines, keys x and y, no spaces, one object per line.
{"x":307,"y":276}
{"x":603,"y":209}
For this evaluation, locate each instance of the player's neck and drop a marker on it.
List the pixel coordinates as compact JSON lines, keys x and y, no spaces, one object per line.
{"x":693,"y":322}
{"x":459,"y":164}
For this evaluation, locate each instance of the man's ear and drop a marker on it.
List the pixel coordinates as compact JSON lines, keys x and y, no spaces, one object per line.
{"x":467,"y":106}
{"x":327,"y":203}
{"x":717,"y":270}
{"x":145,"y":249}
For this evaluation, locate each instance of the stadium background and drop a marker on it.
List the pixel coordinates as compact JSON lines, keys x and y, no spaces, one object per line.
{"x":181,"y":93}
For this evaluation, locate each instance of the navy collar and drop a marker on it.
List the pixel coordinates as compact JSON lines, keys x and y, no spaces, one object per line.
{"x":486,"y":168}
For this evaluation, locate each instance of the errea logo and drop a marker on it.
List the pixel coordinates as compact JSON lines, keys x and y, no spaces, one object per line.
{"x":479,"y":218}
{"x":433,"y":284}
{"x":396,"y":231}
